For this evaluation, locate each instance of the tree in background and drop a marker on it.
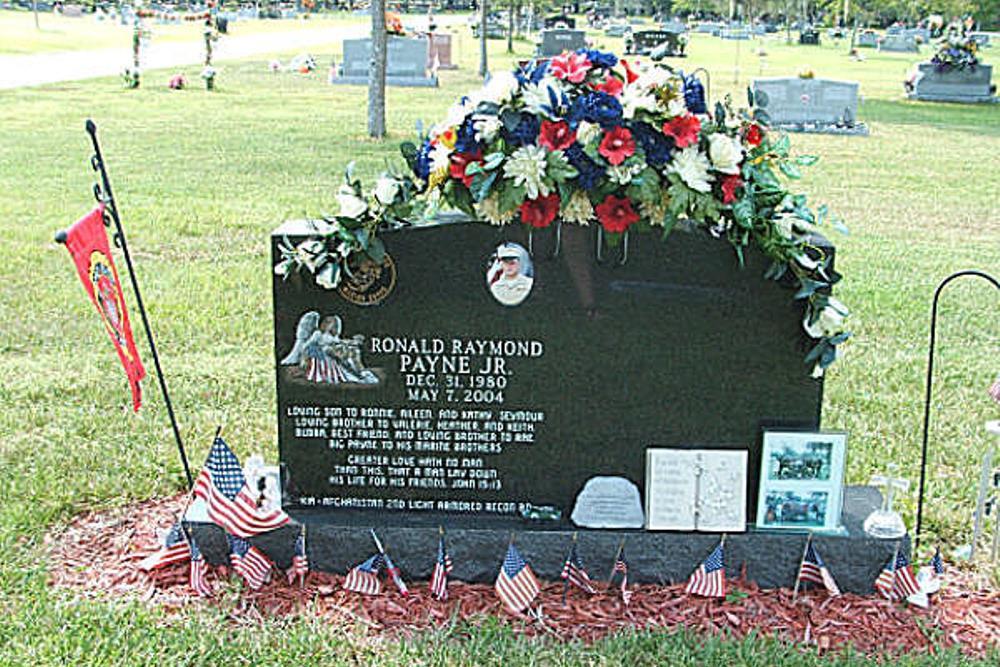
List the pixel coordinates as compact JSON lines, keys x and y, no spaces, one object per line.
{"x":376,"y":72}
{"x":483,"y":13}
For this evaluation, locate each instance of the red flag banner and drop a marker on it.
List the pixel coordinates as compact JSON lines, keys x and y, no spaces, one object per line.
{"x":87,"y":243}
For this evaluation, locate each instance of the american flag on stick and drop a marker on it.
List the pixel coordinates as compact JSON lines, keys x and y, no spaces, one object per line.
{"x":709,"y":580}
{"x":249,"y":561}
{"x":814,"y":570}
{"x":300,"y":561}
{"x":363,"y":578}
{"x":174,"y":550}
{"x":390,"y":567}
{"x":442,"y":568}
{"x":231,"y":502}
{"x":937,"y":563}
{"x":896,"y":580}
{"x":516,"y":585}
{"x":574,"y":573}
{"x":199,"y":568}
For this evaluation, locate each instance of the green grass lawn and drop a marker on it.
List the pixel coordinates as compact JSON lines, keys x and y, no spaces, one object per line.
{"x":201,"y":180}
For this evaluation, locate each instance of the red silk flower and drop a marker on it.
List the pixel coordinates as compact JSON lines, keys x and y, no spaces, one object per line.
{"x":571,"y":66}
{"x":540,"y":212}
{"x":616,"y":213}
{"x":612,"y":85}
{"x":459,"y":161}
{"x":630,"y":75}
{"x":556,"y":136}
{"x":729,"y":184}
{"x":617,"y":145}
{"x":753,"y":135}
{"x":684,"y":130}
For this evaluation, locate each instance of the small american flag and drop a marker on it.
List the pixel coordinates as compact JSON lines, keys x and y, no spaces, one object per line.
{"x":896,"y":580}
{"x":814,"y":570}
{"x":199,"y":569}
{"x":300,"y":561}
{"x":174,"y":550}
{"x":709,"y":580}
{"x":516,"y":584}
{"x":395,"y":575}
{"x":363,"y":578}
{"x":442,"y":568}
{"x":621,"y":565}
{"x":995,"y":389}
{"x":937,"y":562}
{"x":248,"y":561}
{"x":231,"y":502}
{"x":574,"y":573}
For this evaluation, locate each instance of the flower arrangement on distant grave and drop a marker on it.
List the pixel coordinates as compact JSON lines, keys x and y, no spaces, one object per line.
{"x":588,"y":138}
{"x":956,"y":51}
{"x":177,"y":82}
{"x":394,"y":24}
{"x":807,"y":73}
{"x":211,"y":36}
{"x":131,"y":75}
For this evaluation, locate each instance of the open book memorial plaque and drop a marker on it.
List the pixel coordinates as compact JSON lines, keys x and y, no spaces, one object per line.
{"x":696,"y":490}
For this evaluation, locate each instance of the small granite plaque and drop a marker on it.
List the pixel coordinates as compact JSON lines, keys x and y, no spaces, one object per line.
{"x":608,"y":502}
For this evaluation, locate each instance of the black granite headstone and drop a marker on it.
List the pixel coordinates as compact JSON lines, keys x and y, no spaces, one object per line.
{"x":416,"y":397}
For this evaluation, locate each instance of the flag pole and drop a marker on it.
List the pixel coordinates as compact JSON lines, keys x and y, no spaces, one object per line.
{"x":105,"y":195}
{"x":798,"y":575}
{"x":611,"y":576}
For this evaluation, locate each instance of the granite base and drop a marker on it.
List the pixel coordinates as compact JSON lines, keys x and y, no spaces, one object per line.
{"x":857,"y":130}
{"x":398,"y":81}
{"x":771,"y":558}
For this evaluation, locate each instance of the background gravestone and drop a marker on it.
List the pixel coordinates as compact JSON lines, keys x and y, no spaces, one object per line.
{"x":825,"y":105}
{"x":406,"y":63}
{"x":598,"y":364}
{"x":557,"y":40}
{"x":900,"y":43}
{"x":440,"y":49}
{"x":967,"y":85}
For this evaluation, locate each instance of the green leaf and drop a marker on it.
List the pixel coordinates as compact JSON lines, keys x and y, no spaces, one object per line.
{"x":809,"y":287}
{"x":806,"y":160}
{"x":362,"y":236}
{"x":761,"y":98}
{"x":473,"y":168}
{"x":645,"y":186}
{"x":481,"y":184}
{"x":815,"y":353}
{"x":776,"y":270}
{"x":789,"y":169}
{"x":376,"y":250}
{"x":510,"y":197}
{"x":559,"y":169}
{"x":669,"y":222}
{"x":781,"y":145}
{"x":492,"y":161}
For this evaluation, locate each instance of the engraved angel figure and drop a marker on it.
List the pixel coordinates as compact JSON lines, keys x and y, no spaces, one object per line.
{"x":325,"y":357}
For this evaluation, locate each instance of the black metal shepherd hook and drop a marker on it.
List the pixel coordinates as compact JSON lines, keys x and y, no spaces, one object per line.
{"x":104,"y":195}
{"x":929,"y":385}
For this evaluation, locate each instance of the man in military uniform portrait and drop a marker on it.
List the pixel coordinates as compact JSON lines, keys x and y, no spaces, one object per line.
{"x":509,"y":276}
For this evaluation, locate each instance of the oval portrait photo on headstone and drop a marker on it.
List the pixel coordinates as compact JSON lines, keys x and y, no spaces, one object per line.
{"x":510,"y":274}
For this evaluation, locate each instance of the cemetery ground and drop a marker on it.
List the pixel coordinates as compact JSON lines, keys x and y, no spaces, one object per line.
{"x":202,"y":178}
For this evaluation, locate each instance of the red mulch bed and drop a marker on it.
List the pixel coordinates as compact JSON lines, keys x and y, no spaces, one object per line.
{"x":97,"y":556}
